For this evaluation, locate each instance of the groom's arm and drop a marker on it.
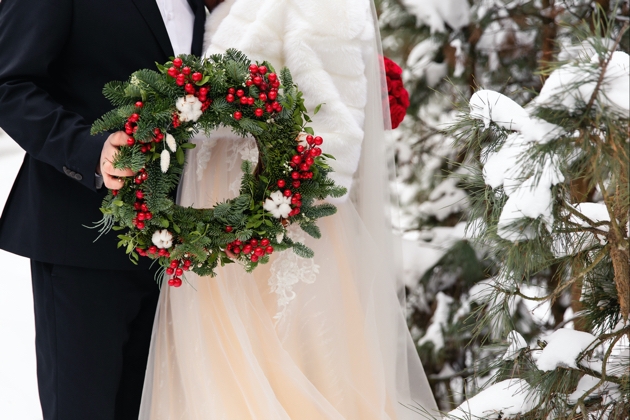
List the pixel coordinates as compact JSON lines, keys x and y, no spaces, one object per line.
{"x":32,"y":34}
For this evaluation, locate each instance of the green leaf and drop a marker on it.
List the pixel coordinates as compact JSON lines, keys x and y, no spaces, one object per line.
{"x":317,"y":108}
{"x":188,"y":145}
{"x":176,"y":228}
{"x":118,"y":203}
{"x":309,"y":130}
{"x":180,"y":155}
{"x":164,"y":223}
{"x":329,"y":156}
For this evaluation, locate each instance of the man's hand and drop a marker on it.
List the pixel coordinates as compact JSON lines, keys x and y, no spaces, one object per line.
{"x":112,"y":178}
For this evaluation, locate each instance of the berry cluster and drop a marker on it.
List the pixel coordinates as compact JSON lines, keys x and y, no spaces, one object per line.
{"x":253,"y":249}
{"x":176,"y":269}
{"x":141,"y":209}
{"x":301,"y":163}
{"x":267,"y":85}
{"x":189,"y":80}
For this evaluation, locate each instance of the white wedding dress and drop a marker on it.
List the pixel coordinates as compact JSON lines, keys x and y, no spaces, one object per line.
{"x":322,"y":338}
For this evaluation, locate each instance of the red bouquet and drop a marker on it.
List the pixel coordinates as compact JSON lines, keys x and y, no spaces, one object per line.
{"x":398,"y":95}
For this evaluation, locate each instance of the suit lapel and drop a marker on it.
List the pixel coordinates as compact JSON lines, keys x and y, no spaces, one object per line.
{"x":151,"y":14}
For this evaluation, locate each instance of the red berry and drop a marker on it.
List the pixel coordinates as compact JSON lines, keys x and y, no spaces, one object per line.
{"x":281,"y":183}
{"x":143,"y":206}
{"x":243,"y":100}
{"x":114,"y":193}
{"x":139,"y":195}
{"x":177,"y":282}
{"x":309,"y":161}
{"x":262,"y":69}
{"x":178,"y":62}
{"x":172,"y":71}
{"x":236,"y":250}
{"x":269,"y":250}
{"x":148,"y":216}
{"x":253,"y":68}
{"x":229,"y":229}
{"x":170,"y":271}
{"x":204,"y":91}
{"x":275,"y":84}
{"x":189,"y":88}
{"x":180,"y":80}
{"x":300,"y":148}
{"x":174,"y":264}
{"x":296,"y":159}
{"x":250,"y":101}
{"x":295,"y":175}
{"x":259,"y":112}
{"x":268,"y":108}
{"x":248,"y":83}
{"x":179,"y":272}
{"x":137,"y":206}
{"x":240,"y":93}
{"x":253,"y":242}
{"x":186,"y":70}
{"x":298,"y":196}
{"x":318,"y":151}
{"x":309,"y":139}
{"x":247,"y":249}
{"x":257,"y":80}
{"x":264,"y":242}
{"x":134,"y":117}
{"x":273,"y":96}
{"x":229,"y":98}
{"x":140,"y":225}
{"x":238,"y":115}
{"x":296,"y":184}
{"x":262,"y":97}
{"x":161,"y":252}
{"x":139,"y":104}
{"x":187,"y":263}
{"x":259,"y":251}
{"x":287,"y":193}
{"x":254,"y":258}
{"x":141,"y":217}
{"x":130,"y":141}
{"x":231,"y":90}
{"x":153,"y":249}
{"x":197,"y":77}
{"x":318,"y":140}
{"x":272,"y":77}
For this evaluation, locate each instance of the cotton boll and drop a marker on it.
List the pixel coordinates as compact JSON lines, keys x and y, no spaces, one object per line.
{"x":162,"y":238}
{"x":165,"y":161}
{"x":189,"y":108}
{"x":278,"y":205}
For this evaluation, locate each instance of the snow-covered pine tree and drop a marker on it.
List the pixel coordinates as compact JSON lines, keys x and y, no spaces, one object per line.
{"x":448,"y":49}
{"x":549,"y":200}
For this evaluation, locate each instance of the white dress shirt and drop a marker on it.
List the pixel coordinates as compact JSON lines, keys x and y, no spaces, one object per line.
{"x":179,"y":20}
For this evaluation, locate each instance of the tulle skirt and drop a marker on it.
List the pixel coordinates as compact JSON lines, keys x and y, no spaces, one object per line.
{"x":321,"y":338}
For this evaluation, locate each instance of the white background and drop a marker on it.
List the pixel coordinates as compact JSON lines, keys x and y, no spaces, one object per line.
{"x":18,"y":382}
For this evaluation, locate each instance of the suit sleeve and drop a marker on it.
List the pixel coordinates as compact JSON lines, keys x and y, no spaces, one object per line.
{"x":32,"y":35}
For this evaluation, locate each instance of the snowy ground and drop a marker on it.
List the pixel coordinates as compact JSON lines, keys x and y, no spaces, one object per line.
{"x":18,"y":383}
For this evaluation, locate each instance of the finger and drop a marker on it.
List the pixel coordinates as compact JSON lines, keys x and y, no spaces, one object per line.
{"x":109,"y":169}
{"x":112,"y":183}
{"x":118,"y":139}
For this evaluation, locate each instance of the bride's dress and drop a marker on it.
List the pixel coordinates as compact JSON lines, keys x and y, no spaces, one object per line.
{"x":322,"y":338}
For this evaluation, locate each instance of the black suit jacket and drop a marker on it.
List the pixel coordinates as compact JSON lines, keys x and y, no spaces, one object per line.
{"x":55,"y":58}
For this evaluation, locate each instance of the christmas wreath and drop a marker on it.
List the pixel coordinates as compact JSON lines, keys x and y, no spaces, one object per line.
{"x":161,"y":111}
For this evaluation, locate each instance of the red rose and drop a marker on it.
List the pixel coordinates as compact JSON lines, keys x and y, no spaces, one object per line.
{"x":396,"y":88}
{"x":397,"y":113}
{"x":392,"y":70}
{"x":404,"y":98}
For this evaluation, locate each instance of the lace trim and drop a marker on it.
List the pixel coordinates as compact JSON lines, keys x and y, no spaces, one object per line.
{"x":288,"y":270}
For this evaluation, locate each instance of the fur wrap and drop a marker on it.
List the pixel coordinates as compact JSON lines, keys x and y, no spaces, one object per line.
{"x":323,"y":43}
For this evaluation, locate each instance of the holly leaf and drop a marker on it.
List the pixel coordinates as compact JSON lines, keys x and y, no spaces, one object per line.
{"x":180,"y":155}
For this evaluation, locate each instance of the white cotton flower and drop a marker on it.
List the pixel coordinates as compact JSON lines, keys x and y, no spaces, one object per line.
{"x":189,"y":108}
{"x":171,"y":143}
{"x":165,"y":160}
{"x":162,"y":238}
{"x":278,"y":205}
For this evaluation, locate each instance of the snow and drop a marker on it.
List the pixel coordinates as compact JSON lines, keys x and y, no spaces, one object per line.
{"x":436,"y":14}
{"x":587,"y":382}
{"x":18,"y":383}
{"x":562,"y":349}
{"x":500,"y":401}
{"x":517,"y":342}
{"x":438,"y":322}
{"x":574,"y":84}
{"x":420,"y":63}
{"x":445,"y":199}
{"x":422,"y":250}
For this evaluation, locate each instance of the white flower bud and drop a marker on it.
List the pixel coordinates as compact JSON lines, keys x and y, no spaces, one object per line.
{"x":165,"y":160}
{"x":170,"y":142}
